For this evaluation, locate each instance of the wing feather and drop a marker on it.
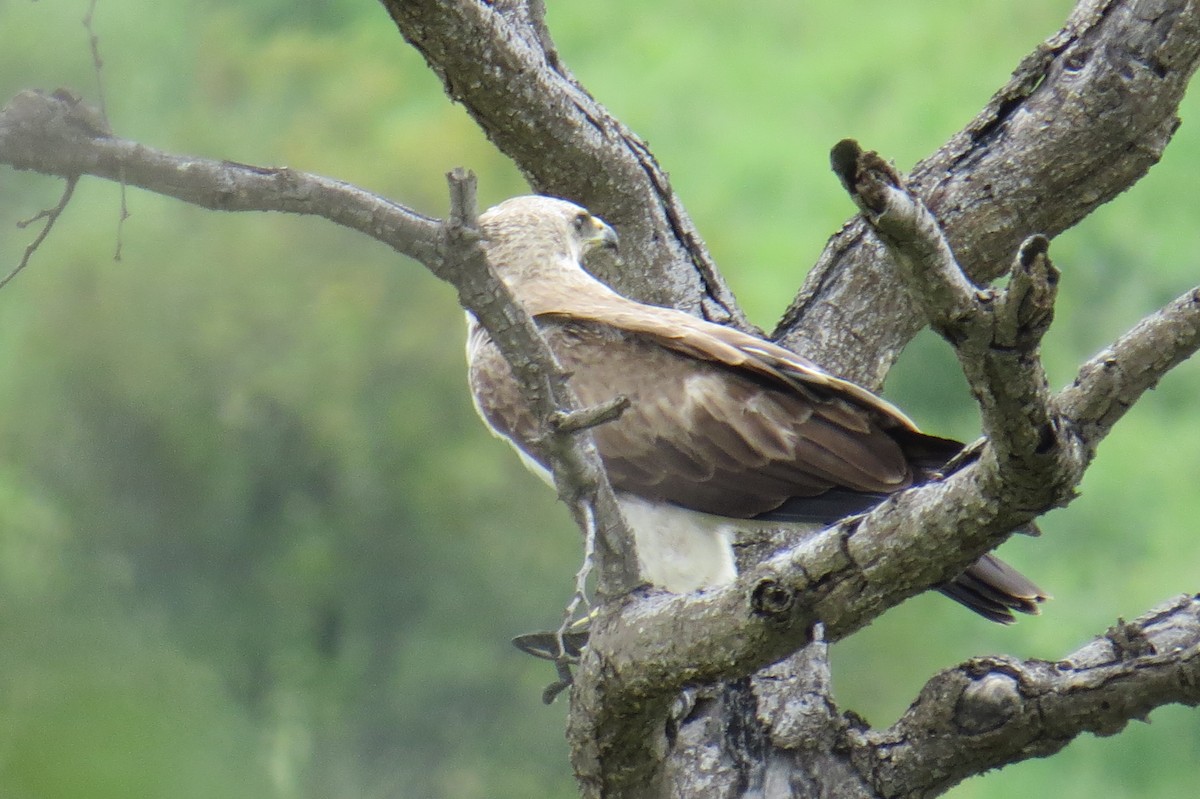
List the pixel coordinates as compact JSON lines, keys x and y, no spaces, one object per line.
{"x":711,"y":437}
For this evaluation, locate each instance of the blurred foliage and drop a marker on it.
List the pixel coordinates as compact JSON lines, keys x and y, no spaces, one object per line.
{"x":253,"y":541}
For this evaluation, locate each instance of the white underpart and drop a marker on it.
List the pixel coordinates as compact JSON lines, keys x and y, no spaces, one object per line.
{"x":679,"y":550}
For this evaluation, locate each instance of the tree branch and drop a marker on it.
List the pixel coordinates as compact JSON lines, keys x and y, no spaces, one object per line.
{"x":497,"y":60}
{"x":1110,"y":383}
{"x":996,"y":333}
{"x":989,"y":712}
{"x":59,"y":135}
{"x":578,"y":472}
{"x":1082,"y":119}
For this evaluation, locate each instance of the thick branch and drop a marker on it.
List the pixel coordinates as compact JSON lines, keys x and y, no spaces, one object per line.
{"x":1083,"y":118}
{"x":989,"y":712}
{"x":497,"y":60}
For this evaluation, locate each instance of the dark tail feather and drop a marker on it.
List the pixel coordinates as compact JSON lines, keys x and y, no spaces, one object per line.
{"x":993,"y":589}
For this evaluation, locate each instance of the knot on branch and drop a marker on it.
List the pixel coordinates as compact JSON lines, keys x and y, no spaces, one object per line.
{"x":1024,"y":311}
{"x":50,"y":133}
{"x":865,"y":175}
{"x":772,"y":600}
{"x":63,"y":107}
{"x":987,"y":703}
{"x":1129,"y":641}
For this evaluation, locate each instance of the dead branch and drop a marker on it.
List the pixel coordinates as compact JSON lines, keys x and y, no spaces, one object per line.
{"x":989,"y":712}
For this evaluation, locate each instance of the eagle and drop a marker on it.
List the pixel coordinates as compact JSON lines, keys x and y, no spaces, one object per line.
{"x":725,"y":432}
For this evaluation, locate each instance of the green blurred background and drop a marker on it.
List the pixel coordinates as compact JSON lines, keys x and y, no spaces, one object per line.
{"x":253,"y":541}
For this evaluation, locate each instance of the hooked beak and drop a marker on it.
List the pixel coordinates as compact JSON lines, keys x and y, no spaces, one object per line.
{"x":602,"y":236}
{"x":609,"y":239}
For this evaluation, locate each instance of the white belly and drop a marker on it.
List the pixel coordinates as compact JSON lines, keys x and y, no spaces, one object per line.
{"x":679,"y":550}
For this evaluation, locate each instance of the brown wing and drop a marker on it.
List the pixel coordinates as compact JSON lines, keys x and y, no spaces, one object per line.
{"x":698,"y":338}
{"x":714,"y":438}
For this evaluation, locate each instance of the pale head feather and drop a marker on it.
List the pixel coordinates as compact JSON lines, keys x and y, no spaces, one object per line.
{"x":537,"y":243}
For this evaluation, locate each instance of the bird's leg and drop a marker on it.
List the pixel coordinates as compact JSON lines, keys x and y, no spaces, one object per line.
{"x":564,"y":645}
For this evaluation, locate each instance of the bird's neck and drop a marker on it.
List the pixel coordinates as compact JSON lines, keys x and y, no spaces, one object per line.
{"x":562,"y":290}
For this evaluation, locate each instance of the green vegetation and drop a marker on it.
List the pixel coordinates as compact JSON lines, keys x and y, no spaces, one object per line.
{"x":253,"y":541}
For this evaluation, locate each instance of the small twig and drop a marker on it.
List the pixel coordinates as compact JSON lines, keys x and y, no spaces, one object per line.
{"x":97,"y":62}
{"x":121,"y":219}
{"x":98,"y":68}
{"x":587,"y":418}
{"x":464,"y":205}
{"x":51,"y":216}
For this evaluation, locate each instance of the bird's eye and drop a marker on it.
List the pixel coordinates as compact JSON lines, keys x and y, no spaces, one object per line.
{"x":582,"y":221}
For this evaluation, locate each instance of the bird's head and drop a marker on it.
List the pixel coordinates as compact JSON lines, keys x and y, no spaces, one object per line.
{"x":537,"y":238}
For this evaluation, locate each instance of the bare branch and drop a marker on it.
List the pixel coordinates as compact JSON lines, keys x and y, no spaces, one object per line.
{"x":1083,"y":118}
{"x":996,"y":334}
{"x":587,"y":418}
{"x":1110,"y":383}
{"x":51,"y":216}
{"x":59,"y":135}
{"x":911,"y":234}
{"x":990,"y":712}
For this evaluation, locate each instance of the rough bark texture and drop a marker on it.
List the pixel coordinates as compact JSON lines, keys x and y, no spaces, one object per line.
{"x":1082,"y":119}
{"x":496,"y":59}
{"x":991,"y":711}
{"x":725,"y":693}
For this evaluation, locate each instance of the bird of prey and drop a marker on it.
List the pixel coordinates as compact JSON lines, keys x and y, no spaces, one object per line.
{"x":724,"y":430}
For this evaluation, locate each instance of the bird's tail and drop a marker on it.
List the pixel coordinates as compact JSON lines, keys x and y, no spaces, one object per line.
{"x":993,"y":589}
